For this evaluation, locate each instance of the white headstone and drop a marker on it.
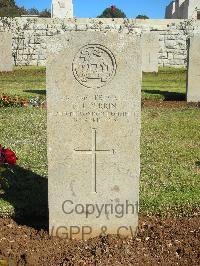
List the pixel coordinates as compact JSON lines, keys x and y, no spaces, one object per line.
{"x":62,"y":9}
{"x":94,"y":106}
{"x":150,"y":50}
{"x":6,"y":58}
{"x":193,"y":79}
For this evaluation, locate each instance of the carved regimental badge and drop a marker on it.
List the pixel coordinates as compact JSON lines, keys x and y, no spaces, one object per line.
{"x":94,"y":65}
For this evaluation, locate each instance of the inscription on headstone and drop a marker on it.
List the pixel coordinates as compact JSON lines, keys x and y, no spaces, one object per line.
{"x":94,"y":152}
{"x":94,"y":102}
{"x":94,"y":65}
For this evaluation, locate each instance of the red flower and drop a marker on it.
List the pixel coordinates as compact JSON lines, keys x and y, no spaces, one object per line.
{"x":7,"y":156}
{"x":5,"y":98}
{"x":10,"y":157}
{"x":113,"y":9}
{"x":23,"y":102}
{"x":1,"y":148}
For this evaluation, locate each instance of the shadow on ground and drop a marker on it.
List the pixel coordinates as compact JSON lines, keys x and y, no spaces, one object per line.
{"x":42,"y":92}
{"x":27,"y":192}
{"x":197,"y":164}
{"x":168,"y":96}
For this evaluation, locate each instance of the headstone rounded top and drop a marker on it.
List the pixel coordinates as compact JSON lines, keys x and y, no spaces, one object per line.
{"x":94,"y":66}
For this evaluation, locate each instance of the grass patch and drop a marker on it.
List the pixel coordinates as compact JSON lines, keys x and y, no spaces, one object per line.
{"x":24,"y":186}
{"x":170,"y":170}
{"x":29,"y":82}
{"x":170,"y":161}
{"x":26,"y":82}
{"x":168,"y":84}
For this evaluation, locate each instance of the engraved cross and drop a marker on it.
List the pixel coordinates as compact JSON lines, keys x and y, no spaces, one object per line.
{"x":94,"y":152}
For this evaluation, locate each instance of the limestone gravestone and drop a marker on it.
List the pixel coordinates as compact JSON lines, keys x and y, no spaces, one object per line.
{"x":94,"y":106}
{"x":193,"y":80}
{"x":150,"y":49}
{"x":6,"y":59}
{"x":62,"y":9}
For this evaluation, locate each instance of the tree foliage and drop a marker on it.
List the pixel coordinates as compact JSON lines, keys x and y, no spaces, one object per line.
{"x":7,"y":3}
{"x":33,"y":11}
{"x":46,"y":13}
{"x":142,"y":17}
{"x":8,"y":8}
{"x":112,"y":12}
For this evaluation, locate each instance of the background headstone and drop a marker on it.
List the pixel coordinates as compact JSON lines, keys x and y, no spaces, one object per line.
{"x":6,"y":59}
{"x":94,"y":106}
{"x":193,"y":79}
{"x":62,"y":9}
{"x":150,"y":50}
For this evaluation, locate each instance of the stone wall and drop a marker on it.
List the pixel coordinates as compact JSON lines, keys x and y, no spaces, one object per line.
{"x":31,"y":34}
{"x":170,"y":11}
{"x":182,"y":9}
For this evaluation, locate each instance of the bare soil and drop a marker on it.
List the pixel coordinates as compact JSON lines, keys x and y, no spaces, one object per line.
{"x":168,"y":104}
{"x":169,"y":241}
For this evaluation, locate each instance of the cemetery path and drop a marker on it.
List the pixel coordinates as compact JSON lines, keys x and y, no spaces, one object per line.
{"x":171,"y":241}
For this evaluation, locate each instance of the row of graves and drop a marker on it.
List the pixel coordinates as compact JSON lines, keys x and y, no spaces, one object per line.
{"x":94,"y":120}
{"x":150,"y":49}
